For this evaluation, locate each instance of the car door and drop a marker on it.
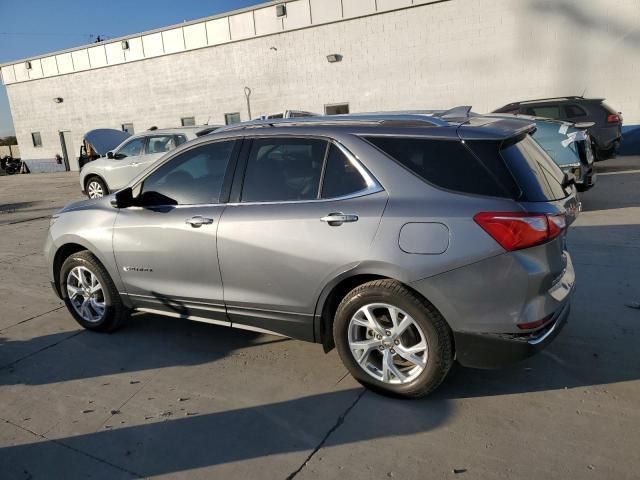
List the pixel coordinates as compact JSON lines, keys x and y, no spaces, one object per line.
{"x":122,"y":168}
{"x":166,"y":247}
{"x":306,"y":212}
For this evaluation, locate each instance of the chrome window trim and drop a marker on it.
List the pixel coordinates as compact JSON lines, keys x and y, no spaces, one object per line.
{"x":373,"y":186}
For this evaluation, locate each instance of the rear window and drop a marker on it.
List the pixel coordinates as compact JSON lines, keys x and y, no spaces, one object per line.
{"x":450,"y":164}
{"x":538,"y":176}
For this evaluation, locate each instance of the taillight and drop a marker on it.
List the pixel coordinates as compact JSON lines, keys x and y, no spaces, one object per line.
{"x":613,"y":118}
{"x":518,"y":230}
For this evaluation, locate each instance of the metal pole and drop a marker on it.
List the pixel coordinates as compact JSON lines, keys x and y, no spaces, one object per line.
{"x":247,"y":93}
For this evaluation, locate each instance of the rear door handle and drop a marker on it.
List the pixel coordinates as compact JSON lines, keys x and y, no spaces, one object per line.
{"x":198,"y":221}
{"x":338,"y":218}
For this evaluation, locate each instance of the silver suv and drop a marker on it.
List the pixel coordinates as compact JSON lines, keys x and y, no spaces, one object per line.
{"x":406,"y":241}
{"x":127,"y":160}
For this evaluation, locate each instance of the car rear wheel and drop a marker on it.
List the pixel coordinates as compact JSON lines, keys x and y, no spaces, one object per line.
{"x":393,"y":341}
{"x":96,"y":188}
{"x":89,"y":293}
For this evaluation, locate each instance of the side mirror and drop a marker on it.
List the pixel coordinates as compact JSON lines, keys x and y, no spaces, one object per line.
{"x":110,"y":155}
{"x":123,"y":198}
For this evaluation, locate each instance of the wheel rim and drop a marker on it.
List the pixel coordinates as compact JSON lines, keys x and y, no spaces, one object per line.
{"x":86,"y":294}
{"x":387,"y":343}
{"x":94,"y":189}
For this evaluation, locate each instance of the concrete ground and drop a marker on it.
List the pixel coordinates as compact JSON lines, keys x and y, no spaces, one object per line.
{"x":171,"y":398}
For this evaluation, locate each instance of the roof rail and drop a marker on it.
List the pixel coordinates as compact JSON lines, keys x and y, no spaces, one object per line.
{"x":349,"y":119}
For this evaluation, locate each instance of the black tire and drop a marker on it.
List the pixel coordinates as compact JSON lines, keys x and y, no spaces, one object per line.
{"x":434,"y":327}
{"x":97,"y":180}
{"x":115,"y":312}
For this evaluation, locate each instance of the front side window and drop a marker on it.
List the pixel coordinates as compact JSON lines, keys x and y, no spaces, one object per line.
{"x":283,"y":169}
{"x":130,"y":149}
{"x":193,"y":177}
{"x":341,"y":177}
{"x":160,"y":144}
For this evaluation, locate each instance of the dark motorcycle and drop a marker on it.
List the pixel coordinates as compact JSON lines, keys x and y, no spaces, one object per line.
{"x":12,"y":165}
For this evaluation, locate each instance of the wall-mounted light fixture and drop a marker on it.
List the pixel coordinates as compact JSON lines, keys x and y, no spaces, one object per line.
{"x":27,"y":65}
{"x":125,"y":44}
{"x":58,"y":100}
{"x":281,"y":10}
{"x":334,"y":57}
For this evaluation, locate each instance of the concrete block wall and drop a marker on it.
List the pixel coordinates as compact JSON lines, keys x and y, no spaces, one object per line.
{"x":483,"y":53}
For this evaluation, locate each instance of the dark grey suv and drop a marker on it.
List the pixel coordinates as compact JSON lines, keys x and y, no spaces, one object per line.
{"x":606,"y":132}
{"x":406,"y":241}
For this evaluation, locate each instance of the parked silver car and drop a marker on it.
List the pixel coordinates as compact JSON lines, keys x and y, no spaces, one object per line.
{"x":132,"y":156}
{"x":407,"y":241}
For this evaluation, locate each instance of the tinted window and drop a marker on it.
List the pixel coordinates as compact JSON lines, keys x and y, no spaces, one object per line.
{"x":340,"y":176}
{"x":548,"y":111}
{"x":574,"y":111}
{"x":131,"y":148}
{"x":281,"y":169}
{"x":160,"y":144}
{"x":538,"y":176}
{"x":445,"y":163}
{"x":193,"y":177}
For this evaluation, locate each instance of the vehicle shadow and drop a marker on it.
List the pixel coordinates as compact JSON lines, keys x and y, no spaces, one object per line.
{"x":235,"y":435}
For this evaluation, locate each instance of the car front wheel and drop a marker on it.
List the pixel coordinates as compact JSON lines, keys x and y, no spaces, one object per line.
{"x":96,"y":188}
{"x":89,"y":293}
{"x":392,"y":340}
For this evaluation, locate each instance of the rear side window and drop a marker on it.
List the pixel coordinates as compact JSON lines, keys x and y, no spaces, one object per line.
{"x":547,"y":111}
{"x":538,"y":176}
{"x":340,"y":176}
{"x":574,"y":111}
{"x":160,"y":144}
{"x":283,"y":169}
{"x":448,"y":164}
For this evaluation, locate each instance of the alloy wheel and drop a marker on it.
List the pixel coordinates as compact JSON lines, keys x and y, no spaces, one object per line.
{"x":86,"y":294}
{"x":94,"y":189}
{"x":387,"y":343}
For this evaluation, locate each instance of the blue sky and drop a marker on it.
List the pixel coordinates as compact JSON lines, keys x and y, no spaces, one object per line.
{"x":36,"y":27}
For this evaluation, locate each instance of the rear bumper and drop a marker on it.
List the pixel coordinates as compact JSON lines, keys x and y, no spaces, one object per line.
{"x":490,"y":350}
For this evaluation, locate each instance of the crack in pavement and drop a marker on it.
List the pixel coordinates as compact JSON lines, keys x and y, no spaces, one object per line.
{"x":335,"y":427}
{"x":11,"y":364}
{"x":30,"y":318}
{"x":74,"y":449}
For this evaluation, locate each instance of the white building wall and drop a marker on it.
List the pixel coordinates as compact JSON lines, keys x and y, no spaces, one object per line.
{"x":483,"y":53}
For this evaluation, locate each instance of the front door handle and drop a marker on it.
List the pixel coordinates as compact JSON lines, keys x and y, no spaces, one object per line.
{"x":198,"y":221}
{"x":338,"y":218}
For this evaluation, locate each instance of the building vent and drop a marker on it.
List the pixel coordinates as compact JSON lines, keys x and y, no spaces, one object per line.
{"x":125,"y":44}
{"x":27,"y":65}
{"x":281,"y":10}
